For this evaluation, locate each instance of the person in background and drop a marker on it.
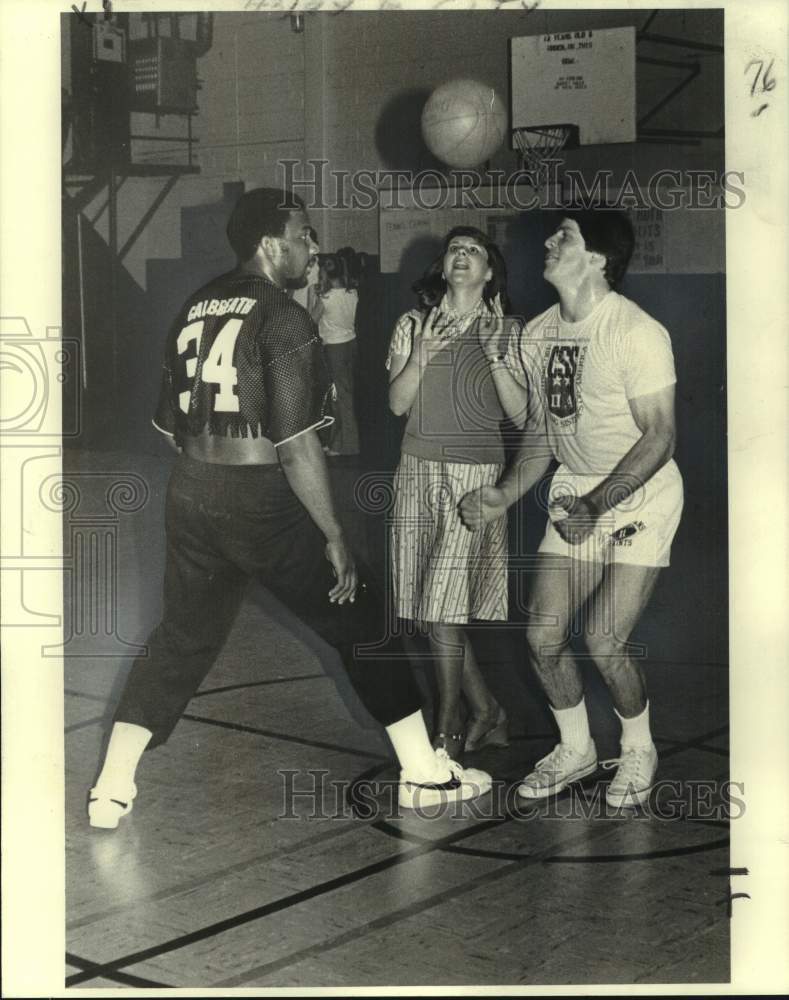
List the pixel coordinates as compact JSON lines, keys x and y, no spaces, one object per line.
{"x":444,"y":576}
{"x":337,"y":297}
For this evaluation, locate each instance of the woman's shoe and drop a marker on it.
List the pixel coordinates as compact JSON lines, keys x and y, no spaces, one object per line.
{"x":452,"y":743}
{"x":484,"y":733}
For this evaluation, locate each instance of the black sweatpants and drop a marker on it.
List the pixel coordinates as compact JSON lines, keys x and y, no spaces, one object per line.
{"x":225,"y":525}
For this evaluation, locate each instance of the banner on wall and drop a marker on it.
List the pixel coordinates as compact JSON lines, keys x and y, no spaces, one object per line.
{"x":415,"y":219}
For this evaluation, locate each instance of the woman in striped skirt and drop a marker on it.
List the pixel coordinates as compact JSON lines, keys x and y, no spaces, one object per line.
{"x":441,"y":362}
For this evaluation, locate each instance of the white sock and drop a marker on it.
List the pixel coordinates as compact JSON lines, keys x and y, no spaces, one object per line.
{"x":573,"y":725}
{"x":412,"y":746}
{"x":636,"y":731}
{"x":124,"y":750}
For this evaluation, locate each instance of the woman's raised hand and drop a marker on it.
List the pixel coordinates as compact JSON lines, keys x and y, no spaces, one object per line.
{"x":430,"y":335}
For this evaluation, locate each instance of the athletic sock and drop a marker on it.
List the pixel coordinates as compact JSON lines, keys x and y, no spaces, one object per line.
{"x":124,"y":750}
{"x":573,"y":726}
{"x":412,"y":746}
{"x":636,"y":731}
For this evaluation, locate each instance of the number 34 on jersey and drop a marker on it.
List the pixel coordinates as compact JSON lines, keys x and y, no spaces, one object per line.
{"x":218,"y":368}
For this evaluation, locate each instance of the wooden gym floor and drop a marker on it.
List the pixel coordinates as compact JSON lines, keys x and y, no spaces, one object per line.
{"x":219,"y":879}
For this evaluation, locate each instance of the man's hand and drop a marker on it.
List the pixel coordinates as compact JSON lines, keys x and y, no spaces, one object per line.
{"x":491,"y":332}
{"x":573,"y":517}
{"x":339,"y":555}
{"x":481,"y":506}
{"x":429,"y":336}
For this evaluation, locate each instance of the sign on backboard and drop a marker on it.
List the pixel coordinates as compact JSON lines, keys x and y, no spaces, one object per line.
{"x":583,"y":78}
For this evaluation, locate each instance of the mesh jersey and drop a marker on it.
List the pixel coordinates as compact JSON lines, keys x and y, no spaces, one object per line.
{"x":242,"y":359}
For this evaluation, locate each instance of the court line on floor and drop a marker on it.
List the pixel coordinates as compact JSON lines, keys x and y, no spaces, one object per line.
{"x":676,"y":747}
{"x":720,"y":751}
{"x":251,"y":684}
{"x":216,"y":690}
{"x":286,"y":737}
{"x":355,"y":934}
{"x":190,"y":885}
{"x":267,"y":909}
{"x":716,"y":664}
{"x":695,"y":742}
{"x":84,"y":724}
{"x":673,"y":852}
{"x":85,"y":694}
{"x":395,"y":916}
{"x":329,"y":886}
{"x":423,"y":846}
{"x":268,"y":733}
{"x":123,"y":978}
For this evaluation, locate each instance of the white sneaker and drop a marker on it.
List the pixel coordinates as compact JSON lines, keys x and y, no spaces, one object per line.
{"x":105,"y":812}
{"x":421,"y":791}
{"x":563,"y":765}
{"x":634,"y":778}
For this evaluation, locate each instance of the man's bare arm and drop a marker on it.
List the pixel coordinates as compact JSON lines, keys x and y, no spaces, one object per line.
{"x":654,"y":417}
{"x":304,"y":465}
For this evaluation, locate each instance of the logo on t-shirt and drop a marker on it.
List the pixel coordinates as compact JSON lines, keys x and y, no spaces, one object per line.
{"x":623,"y":536}
{"x":563,"y":379}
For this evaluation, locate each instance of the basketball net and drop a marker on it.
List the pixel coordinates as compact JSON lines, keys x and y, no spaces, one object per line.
{"x":538,"y":144}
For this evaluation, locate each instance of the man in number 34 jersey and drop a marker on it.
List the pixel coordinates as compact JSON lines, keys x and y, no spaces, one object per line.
{"x":244,"y":393}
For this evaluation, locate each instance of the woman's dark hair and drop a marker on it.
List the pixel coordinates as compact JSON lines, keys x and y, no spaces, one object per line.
{"x":346,"y":267}
{"x":430,"y":288}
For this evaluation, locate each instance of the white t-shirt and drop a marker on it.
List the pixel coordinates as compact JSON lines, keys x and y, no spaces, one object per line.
{"x":584,"y":373}
{"x":337,"y":321}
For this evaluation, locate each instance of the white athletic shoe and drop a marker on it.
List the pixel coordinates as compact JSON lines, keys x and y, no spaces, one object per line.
{"x":563,"y":765}
{"x":421,"y":791}
{"x":105,"y":811}
{"x":634,"y":778}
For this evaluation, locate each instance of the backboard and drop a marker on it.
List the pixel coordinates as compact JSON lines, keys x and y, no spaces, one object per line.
{"x":585,"y":79}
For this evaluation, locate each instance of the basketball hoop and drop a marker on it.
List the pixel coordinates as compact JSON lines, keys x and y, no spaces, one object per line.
{"x":539,"y":144}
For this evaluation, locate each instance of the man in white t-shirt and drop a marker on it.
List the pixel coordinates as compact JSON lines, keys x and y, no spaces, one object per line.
{"x":595,"y":374}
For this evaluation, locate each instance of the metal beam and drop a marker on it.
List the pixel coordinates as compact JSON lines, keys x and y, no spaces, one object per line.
{"x":151,"y":210}
{"x":668,"y":133}
{"x":683,"y":43}
{"x":104,"y":207}
{"x":694,"y":70}
{"x":88,"y":191}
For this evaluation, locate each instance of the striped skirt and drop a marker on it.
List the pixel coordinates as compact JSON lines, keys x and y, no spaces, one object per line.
{"x":442,"y":572}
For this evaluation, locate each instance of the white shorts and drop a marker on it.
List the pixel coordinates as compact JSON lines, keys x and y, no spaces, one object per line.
{"x":638,"y":531}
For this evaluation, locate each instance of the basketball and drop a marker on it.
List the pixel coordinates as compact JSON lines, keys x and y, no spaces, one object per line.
{"x":464,"y":123}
